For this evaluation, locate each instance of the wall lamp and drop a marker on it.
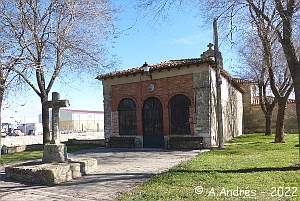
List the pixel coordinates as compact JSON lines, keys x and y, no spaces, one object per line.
{"x":146,"y":69}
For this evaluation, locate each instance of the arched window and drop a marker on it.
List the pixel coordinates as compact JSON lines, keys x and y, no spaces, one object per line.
{"x":179,"y":115}
{"x":127,"y":117}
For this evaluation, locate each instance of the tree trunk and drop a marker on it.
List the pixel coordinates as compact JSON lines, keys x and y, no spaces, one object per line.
{"x":296,"y":82}
{"x":46,"y":122}
{"x":279,"y":137}
{"x":1,"y":99}
{"x":268,"y":130}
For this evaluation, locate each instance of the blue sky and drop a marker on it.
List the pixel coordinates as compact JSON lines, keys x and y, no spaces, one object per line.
{"x":146,"y":41}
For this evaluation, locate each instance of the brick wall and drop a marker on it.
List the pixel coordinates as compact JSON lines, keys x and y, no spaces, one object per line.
{"x":164,"y":90}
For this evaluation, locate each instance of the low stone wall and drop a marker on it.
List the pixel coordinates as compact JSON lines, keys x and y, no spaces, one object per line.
{"x":12,"y":141}
{"x":100,"y":142}
{"x":255,"y":121}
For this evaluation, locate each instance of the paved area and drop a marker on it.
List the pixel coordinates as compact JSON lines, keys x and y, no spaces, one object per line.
{"x":119,"y":170}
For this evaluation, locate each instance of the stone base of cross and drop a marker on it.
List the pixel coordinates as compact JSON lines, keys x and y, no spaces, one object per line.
{"x":55,"y":167}
{"x":55,"y":151}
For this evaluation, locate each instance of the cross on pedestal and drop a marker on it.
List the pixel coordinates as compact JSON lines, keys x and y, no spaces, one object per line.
{"x":55,"y":151}
{"x":55,"y":104}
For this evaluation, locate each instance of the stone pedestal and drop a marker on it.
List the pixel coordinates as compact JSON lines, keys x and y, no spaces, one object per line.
{"x":55,"y":167}
{"x":55,"y":153}
{"x":51,"y":173}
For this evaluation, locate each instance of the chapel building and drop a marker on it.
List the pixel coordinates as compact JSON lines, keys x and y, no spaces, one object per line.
{"x":175,"y":99}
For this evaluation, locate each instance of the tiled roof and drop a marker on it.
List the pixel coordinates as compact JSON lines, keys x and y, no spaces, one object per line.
{"x":172,"y":64}
{"x":232,"y":80}
{"x":158,"y":66}
{"x":242,"y":81}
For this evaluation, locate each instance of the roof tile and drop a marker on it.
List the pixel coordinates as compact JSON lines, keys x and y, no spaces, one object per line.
{"x":172,"y":64}
{"x":157,"y":66}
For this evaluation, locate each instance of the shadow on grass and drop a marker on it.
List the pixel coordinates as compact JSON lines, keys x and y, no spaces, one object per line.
{"x":249,"y":170}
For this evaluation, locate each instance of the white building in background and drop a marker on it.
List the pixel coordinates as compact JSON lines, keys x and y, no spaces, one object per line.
{"x":77,"y":121}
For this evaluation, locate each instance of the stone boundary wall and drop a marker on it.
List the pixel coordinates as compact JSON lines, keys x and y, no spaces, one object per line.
{"x":258,"y":119}
{"x":11,"y":141}
{"x":254,"y":119}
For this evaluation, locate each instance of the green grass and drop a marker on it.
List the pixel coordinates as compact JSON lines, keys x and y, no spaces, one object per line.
{"x":20,"y":156}
{"x":29,"y":155}
{"x":250,"y":162}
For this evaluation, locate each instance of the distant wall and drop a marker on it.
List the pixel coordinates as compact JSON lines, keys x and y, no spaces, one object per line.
{"x":254,"y":120}
{"x":258,"y":120}
{"x":11,"y":141}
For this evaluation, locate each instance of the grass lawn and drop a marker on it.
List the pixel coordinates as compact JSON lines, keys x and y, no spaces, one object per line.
{"x":28,"y":155}
{"x":250,"y":167}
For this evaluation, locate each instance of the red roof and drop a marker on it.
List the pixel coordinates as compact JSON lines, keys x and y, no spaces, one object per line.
{"x":172,"y":64}
{"x":242,"y":81}
{"x":158,"y":66}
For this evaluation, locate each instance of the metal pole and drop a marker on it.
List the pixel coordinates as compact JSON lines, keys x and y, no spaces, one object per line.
{"x":24,"y":126}
{"x":219,"y":82}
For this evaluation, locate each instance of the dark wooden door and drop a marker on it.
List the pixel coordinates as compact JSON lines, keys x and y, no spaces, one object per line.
{"x":153,"y":136}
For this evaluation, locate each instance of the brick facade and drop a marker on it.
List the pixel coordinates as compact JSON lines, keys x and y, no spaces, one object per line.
{"x":164,"y":90}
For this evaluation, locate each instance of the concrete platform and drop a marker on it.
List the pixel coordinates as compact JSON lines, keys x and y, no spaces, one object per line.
{"x":51,"y":173}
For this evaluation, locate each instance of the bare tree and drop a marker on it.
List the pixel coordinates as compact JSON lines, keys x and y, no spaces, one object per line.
{"x":268,"y":22}
{"x":9,"y":81}
{"x":252,"y":69}
{"x":283,"y":87}
{"x":276,"y":17}
{"x":282,"y":19}
{"x":273,"y":69}
{"x":59,"y":37}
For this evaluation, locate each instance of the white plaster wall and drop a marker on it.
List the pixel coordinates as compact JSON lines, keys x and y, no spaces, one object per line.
{"x":232,"y":110}
{"x":240,"y":111}
{"x":213,"y":114}
{"x":224,"y":90}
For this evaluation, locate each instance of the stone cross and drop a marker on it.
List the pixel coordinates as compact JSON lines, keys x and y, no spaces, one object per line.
{"x":55,"y":104}
{"x":210,"y":45}
{"x":210,"y":53}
